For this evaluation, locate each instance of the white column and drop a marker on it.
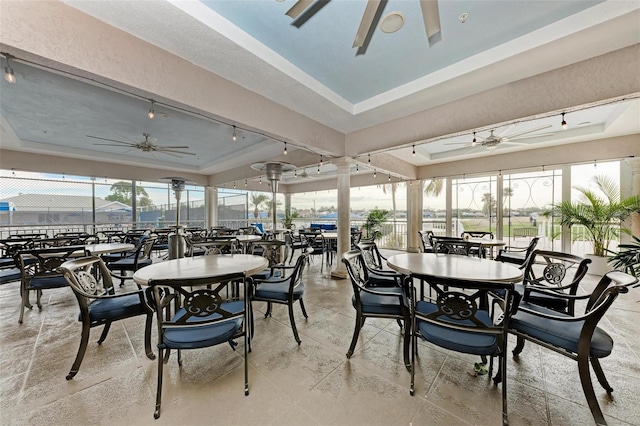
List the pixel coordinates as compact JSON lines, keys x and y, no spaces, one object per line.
{"x":566,"y":196}
{"x":630,"y":185}
{"x":449,"y":212}
{"x":414,"y":215}
{"x":499,"y":206}
{"x":344,"y":217}
{"x":211,"y":206}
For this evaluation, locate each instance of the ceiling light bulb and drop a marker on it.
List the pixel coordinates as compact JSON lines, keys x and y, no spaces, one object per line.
{"x":9,"y":75}
{"x":389,"y":177}
{"x":285,"y":148}
{"x":369,"y":158}
{"x":295,"y":173}
{"x":260,"y":180}
{"x":245,"y":182}
{"x":357,"y":169}
{"x":318,"y":171}
{"x":321,"y":162}
{"x":234,"y":185}
{"x":564,"y":123}
{"x":414,"y":151}
{"x":374,"y":173}
{"x":474,"y":142}
{"x":234,"y":137}
{"x":151,"y":114}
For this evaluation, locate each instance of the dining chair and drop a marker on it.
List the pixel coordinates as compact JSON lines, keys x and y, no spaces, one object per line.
{"x":456,"y":246}
{"x":425,"y":239}
{"x":43,"y":274}
{"x":459,"y":318}
{"x":295,"y":242}
{"x":100,"y":304}
{"x":316,"y":241}
{"x":9,"y":269}
{"x":577,"y":337}
{"x":193,"y":313}
{"x":283,"y":289}
{"x":517,"y":255}
{"x":482,"y":235}
{"x":376,"y":302}
{"x":375,"y":273}
{"x":275,"y":251}
{"x":133,"y":261}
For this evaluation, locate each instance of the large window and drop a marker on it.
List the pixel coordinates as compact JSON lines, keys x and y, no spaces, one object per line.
{"x":474,"y":205}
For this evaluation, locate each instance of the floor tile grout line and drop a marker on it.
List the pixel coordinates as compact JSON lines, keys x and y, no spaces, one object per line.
{"x":33,"y":352}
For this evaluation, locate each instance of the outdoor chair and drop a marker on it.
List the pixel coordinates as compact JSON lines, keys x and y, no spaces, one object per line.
{"x":356,"y":237}
{"x":43,"y":274}
{"x":284,"y":290}
{"x":318,"y":243}
{"x":100,"y":304}
{"x":425,"y":239}
{"x":374,"y":272}
{"x":456,"y":246}
{"x":295,"y":242}
{"x":272,"y":250}
{"x":9,"y":269}
{"x":478,"y":251}
{"x":193,"y":313}
{"x":576,"y":337}
{"x":459,"y":319}
{"x":134,"y":261}
{"x":517,"y":255}
{"x":376,"y":302}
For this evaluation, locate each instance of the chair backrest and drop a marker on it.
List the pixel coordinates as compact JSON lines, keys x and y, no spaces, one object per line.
{"x":425,"y":239}
{"x":247,"y":230}
{"x":272,"y":250}
{"x":532,"y":245}
{"x":354,"y":264}
{"x":47,"y":260}
{"x":83,"y":282}
{"x":370,"y":255}
{"x":146,"y":247}
{"x":315,"y":240}
{"x":488,"y":235}
{"x":9,"y":248}
{"x":552,"y":269}
{"x":356,"y":237}
{"x":603,"y":295}
{"x":453,"y":246}
{"x":214,"y":245}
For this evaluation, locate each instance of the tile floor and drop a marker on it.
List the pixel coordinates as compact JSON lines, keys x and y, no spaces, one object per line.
{"x":310,"y":384}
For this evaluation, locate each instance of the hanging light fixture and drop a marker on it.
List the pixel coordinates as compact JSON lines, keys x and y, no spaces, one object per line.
{"x":260,"y":180}
{"x":245,"y":183}
{"x":9,"y":76}
{"x":151,"y":114}
{"x":285,"y":148}
{"x":374,"y":173}
{"x":321,"y":162}
{"x":474,"y":142}
{"x":564,"y":123}
{"x":318,"y":171}
{"x":389,"y":177}
{"x":369,"y":159}
{"x":234,"y":185}
{"x":414,"y":151}
{"x":295,"y":173}
{"x":234,"y":137}
{"x":357,"y":169}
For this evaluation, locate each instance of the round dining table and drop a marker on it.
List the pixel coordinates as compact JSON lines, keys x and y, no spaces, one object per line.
{"x":104,"y":248}
{"x":201,"y":267}
{"x":453,"y":266}
{"x":487,"y":243}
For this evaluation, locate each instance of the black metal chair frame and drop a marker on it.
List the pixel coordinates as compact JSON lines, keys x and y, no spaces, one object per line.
{"x":81,"y":279}
{"x":425,"y":239}
{"x":608,"y":289}
{"x":373,"y":266}
{"x":456,"y":304}
{"x":44,"y":267}
{"x":295,"y":279}
{"x":203,"y":307}
{"x":458,"y":246}
{"x":142,"y":252}
{"x":317,"y":242}
{"x":521,"y":253}
{"x":353,"y":262}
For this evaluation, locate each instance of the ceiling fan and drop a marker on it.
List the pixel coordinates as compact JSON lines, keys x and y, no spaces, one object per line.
{"x":494,"y":140}
{"x":147,"y":145}
{"x":303,"y":10}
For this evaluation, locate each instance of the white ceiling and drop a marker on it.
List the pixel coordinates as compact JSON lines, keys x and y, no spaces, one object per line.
{"x":314,"y":70}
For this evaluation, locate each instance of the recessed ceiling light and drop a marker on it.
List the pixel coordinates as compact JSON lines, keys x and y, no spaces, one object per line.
{"x":463,"y":17}
{"x":392,"y":22}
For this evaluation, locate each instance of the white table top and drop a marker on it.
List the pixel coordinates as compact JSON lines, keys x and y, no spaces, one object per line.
{"x":487,"y":242}
{"x":201,"y":267}
{"x":454,"y":266}
{"x":248,"y":238}
{"x":102,"y":248}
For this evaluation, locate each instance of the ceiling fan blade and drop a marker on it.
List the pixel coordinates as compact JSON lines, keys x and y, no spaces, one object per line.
{"x":507,"y":129}
{"x":110,"y":140}
{"x":113,"y":144}
{"x":431,"y":18}
{"x":174,"y":151}
{"x":308,"y":14}
{"x":540,"y":135}
{"x":458,"y":143}
{"x":368,"y":24}
{"x":514,"y":143}
{"x":515,"y":135}
{"x":173,"y":147}
{"x":170,"y":153}
{"x":298,"y":8}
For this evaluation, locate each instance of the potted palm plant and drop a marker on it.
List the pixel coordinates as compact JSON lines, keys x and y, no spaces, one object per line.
{"x":289,"y":216}
{"x":628,"y":258}
{"x":601,"y":215}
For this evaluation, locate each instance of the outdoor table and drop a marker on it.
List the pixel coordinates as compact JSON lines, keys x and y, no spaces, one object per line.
{"x":244,"y":240}
{"x":487,"y":243}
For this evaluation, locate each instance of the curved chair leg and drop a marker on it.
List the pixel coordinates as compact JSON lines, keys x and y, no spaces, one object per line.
{"x":24,"y":303}
{"x":247,"y":344}
{"x":268,"y":313}
{"x":519,"y":345}
{"x":105,"y":331}
{"x":180,"y":357}
{"x":293,"y":324}
{"x":399,"y":321}
{"x":38,"y":297}
{"x":293,"y":250}
{"x":304,"y":311}
{"x":156,"y":413}
{"x":407,"y":346}
{"x":356,"y":333}
{"x":84,"y":341}
{"x":595,"y":363}
{"x":587,"y":388}
{"x":147,"y":337}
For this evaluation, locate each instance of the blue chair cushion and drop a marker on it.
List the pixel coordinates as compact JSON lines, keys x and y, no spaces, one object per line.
{"x":278,"y":291}
{"x":267,"y":274}
{"x":9,"y":275}
{"x":381,"y":305}
{"x":204,"y":336}
{"x":457,"y":340}
{"x":115,"y":308}
{"x":48,"y":281}
{"x":128,"y":264}
{"x":563,"y":334}
{"x":376,"y":279}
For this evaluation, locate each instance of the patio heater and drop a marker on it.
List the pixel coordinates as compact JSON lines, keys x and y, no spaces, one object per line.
{"x":176,"y":240}
{"x":274,"y":172}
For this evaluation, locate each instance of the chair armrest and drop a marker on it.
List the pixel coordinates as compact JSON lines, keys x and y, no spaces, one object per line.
{"x":513,"y":249}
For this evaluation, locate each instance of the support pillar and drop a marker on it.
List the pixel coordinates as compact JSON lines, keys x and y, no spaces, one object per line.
{"x":630,"y":185}
{"x":414,"y":215}
{"x":566,"y":196}
{"x":344,"y":216}
{"x":211,"y":206}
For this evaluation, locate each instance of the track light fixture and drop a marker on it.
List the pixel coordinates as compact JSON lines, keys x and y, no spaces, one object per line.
{"x":151,"y":114}
{"x":260,"y":180}
{"x":474,"y":142}
{"x":564,"y":123}
{"x":414,"y":151}
{"x":234,"y":185}
{"x":9,"y":76}
{"x":595,"y":164}
{"x":245,"y":183}
{"x":357,"y":169}
{"x":295,"y":173}
{"x":285,"y":148}
{"x":234,"y":137}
